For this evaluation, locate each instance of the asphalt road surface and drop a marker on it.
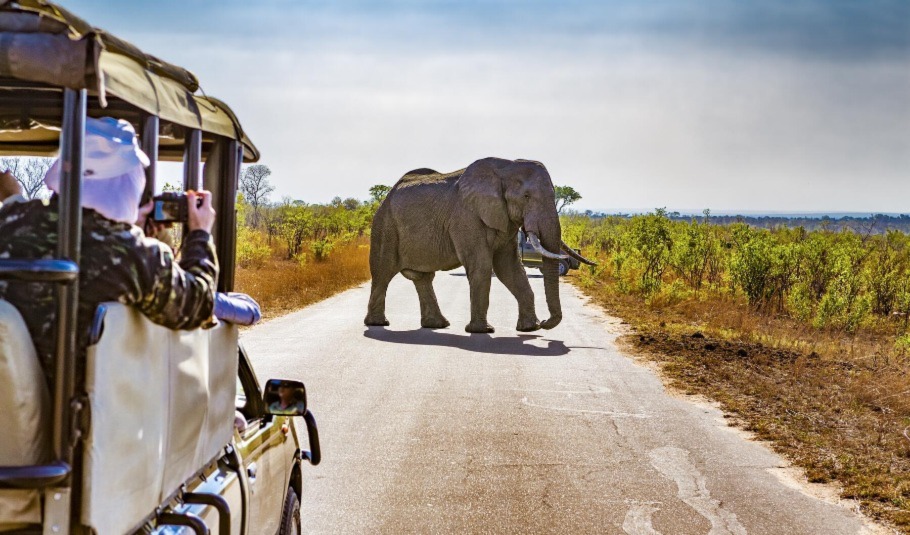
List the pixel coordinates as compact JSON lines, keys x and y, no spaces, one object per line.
{"x":548,"y":432}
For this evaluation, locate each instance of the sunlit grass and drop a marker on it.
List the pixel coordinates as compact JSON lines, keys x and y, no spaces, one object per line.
{"x":281,"y":286}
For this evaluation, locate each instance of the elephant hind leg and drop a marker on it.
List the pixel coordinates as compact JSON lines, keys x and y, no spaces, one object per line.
{"x":384,"y":265}
{"x":382,"y":276}
{"x":430,"y":315}
{"x":376,"y":308}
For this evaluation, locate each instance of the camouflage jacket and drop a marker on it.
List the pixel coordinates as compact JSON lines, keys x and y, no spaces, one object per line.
{"x":117,"y":263}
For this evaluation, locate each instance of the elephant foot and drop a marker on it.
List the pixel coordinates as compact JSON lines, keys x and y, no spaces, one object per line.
{"x":528,"y":326}
{"x":479,"y":327}
{"x":376,"y":322}
{"x":434,"y":323}
{"x":551,"y":322}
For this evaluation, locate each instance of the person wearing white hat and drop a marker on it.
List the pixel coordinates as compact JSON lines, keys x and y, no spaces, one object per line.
{"x":118,"y":261}
{"x":114,"y":176}
{"x":112,"y":185}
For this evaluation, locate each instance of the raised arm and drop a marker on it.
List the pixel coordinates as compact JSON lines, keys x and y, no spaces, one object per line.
{"x":181,"y":296}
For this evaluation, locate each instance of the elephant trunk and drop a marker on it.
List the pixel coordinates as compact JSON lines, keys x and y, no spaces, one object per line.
{"x":550,"y":235}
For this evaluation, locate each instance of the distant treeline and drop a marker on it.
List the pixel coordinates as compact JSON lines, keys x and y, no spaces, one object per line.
{"x":873,"y":224}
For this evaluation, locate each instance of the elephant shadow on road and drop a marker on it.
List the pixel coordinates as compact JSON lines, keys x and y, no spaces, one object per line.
{"x":479,"y":343}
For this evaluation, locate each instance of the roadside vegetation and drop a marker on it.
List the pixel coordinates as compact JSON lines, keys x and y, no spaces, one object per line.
{"x":802,"y":335}
{"x":291,"y":253}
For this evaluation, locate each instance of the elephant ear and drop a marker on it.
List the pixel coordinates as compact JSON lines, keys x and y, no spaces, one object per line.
{"x":481,"y":188}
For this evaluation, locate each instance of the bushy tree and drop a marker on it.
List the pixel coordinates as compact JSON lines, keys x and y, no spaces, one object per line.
{"x":651,"y":238}
{"x":379,"y":192}
{"x":566,"y":195}
{"x":695,"y":252}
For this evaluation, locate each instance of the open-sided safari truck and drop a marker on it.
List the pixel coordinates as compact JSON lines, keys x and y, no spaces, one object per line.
{"x":148,"y":429}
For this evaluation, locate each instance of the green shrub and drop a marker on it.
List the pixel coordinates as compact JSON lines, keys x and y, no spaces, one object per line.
{"x":252,"y":252}
{"x":800,"y":303}
{"x":650,"y":237}
{"x":321,"y":249}
{"x":695,"y":251}
{"x":762,"y":266}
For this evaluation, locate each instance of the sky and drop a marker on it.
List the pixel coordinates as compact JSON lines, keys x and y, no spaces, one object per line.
{"x":732,"y":105}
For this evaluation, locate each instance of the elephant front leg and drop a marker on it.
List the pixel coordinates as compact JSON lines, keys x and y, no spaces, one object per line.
{"x":508,"y":269}
{"x":479,"y":280}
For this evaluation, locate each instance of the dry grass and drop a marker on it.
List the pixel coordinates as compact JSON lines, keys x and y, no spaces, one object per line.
{"x":281,"y":286}
{"x":837,"y":405}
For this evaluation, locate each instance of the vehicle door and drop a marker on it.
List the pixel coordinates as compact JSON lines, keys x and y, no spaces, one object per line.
{"x":264,"y":449}
{"x":529,"y":257}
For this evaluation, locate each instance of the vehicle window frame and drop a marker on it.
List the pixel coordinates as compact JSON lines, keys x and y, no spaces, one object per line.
{"x":254,"y":409}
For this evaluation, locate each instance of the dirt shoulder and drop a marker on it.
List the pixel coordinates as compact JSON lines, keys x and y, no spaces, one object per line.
{"x":829,"y":415}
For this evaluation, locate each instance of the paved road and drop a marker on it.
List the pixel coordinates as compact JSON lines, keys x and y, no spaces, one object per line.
{"x":549,"y":432}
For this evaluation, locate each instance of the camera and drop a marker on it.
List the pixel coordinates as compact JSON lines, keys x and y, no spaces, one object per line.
{"x":171,"y":207}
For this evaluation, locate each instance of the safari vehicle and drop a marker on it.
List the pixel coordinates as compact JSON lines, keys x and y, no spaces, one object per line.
{"x":531,"y":257}
{"x":147,"y":429}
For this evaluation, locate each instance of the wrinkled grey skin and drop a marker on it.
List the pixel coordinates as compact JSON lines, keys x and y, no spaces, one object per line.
{"x":431,"y":221}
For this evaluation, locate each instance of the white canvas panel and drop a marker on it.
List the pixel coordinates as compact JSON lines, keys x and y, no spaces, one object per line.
{"x":127,"y":375}
{"x":162,"y":405}
{"x":223,"y":362}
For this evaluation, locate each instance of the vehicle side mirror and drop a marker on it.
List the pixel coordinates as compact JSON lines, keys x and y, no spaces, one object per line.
{"x":285,"y":398}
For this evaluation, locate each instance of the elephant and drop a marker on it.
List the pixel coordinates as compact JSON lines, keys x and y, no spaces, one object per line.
{"x":432,"y":221}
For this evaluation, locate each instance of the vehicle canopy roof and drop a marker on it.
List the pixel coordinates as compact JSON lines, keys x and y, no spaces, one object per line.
{"x":44,"y":47}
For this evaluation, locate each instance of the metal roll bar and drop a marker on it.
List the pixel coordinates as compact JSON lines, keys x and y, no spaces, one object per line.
{"x":314,"y":456}
{"x":149,"y":144}
{"x":43,"y":270}
{"x":219,"y":503}
{"x":56,"y":477}
{"x":192,"y":158}
{"x":186,"y":519}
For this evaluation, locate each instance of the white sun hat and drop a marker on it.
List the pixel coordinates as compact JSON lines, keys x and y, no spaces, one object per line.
{"x":114,"y":175}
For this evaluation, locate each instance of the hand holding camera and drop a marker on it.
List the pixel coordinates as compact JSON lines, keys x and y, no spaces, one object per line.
{"x":194,"y":208}
{"x":201,"y":215}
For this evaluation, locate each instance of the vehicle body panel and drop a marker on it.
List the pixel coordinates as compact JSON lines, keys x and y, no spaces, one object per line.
{"x":269,"y":448}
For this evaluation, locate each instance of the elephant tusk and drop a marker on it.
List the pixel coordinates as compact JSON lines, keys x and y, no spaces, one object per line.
{"x":535,"y":243}
{"x":571,"y":252}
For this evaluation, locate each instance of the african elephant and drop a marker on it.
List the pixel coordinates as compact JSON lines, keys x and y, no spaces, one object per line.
{"x":432,"y":221}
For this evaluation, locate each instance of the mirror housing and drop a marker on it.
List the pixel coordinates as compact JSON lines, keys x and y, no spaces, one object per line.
{"x":284,"y":397}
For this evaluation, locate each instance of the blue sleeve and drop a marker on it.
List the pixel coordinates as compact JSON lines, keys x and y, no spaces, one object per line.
{"x":237,"y":308}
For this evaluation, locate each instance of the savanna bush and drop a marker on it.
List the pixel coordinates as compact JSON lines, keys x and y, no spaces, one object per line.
{"x":650,"y":237}
{"x":842,"y":280}
{"x":321,"y":249}
{"x":295,"y":253}
{"x":252,"y":251}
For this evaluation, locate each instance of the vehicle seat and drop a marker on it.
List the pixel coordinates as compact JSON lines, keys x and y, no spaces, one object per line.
{"x":25,"y":416}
